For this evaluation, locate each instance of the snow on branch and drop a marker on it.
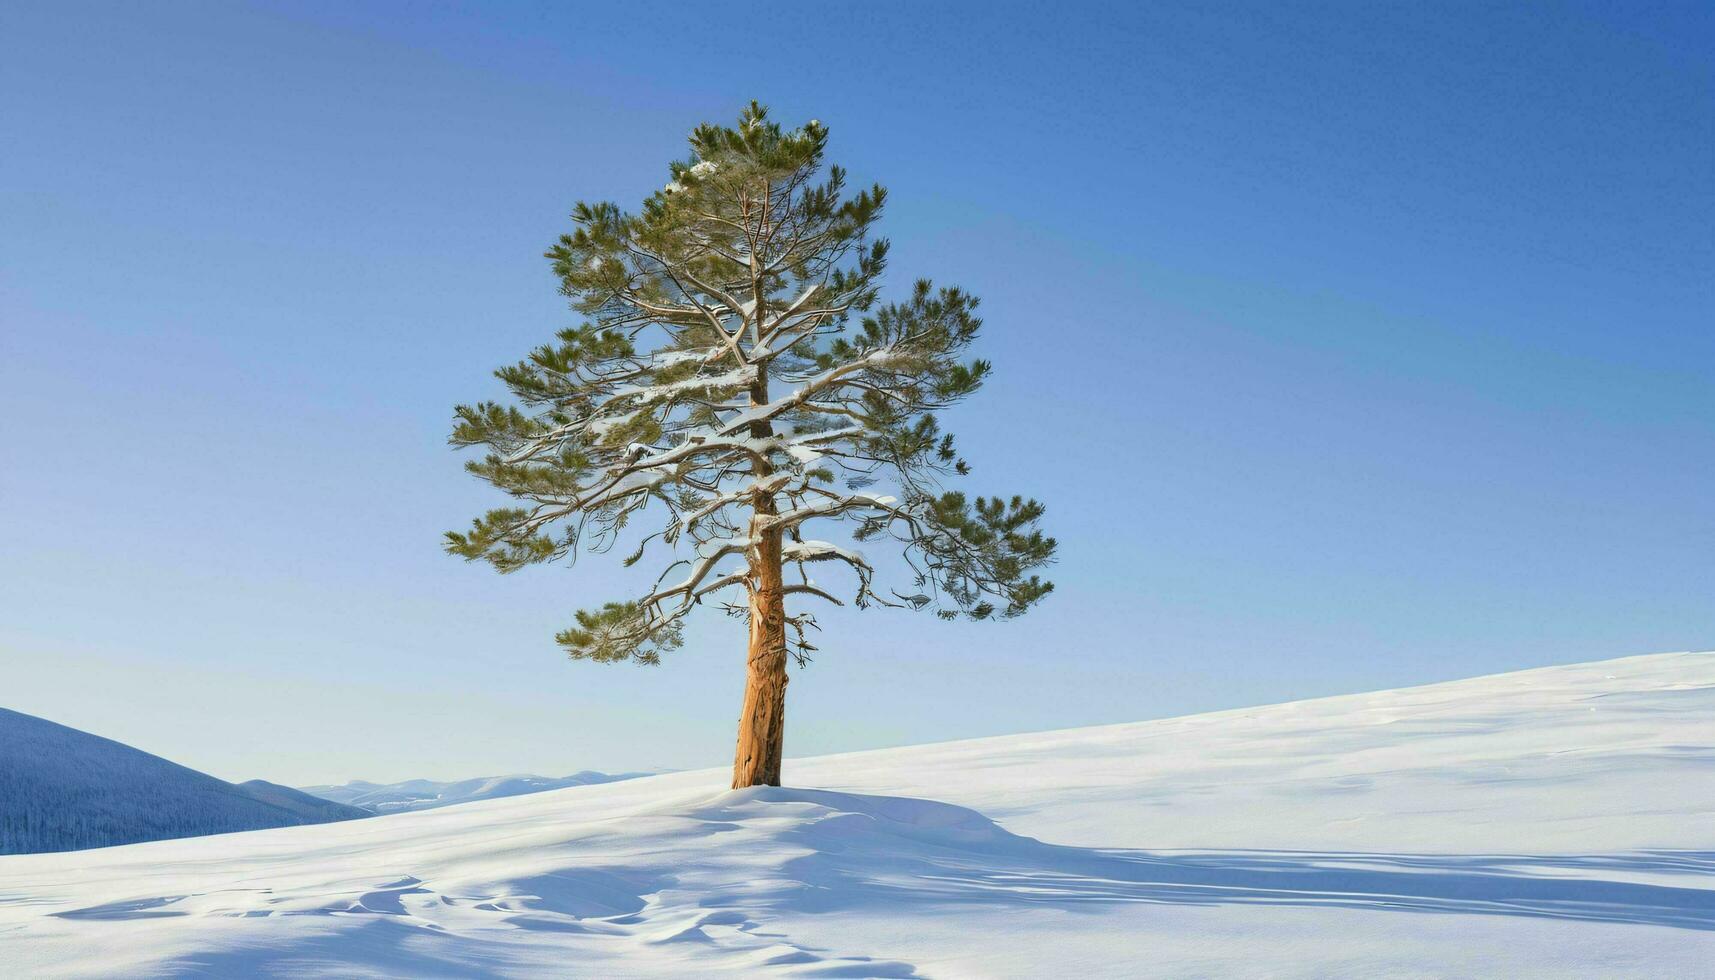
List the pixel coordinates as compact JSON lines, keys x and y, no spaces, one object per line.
{"x":735,"y":366}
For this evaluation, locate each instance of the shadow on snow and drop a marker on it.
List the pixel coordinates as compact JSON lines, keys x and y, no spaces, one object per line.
{"x":904,"y":853}
{"x":727,"y":876}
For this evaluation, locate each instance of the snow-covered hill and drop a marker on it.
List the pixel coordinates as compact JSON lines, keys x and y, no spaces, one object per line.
{"x":312,"y":808}
{"x":1556,"y":822}
{"x":62,"y":789}
{"x":426,"y":794}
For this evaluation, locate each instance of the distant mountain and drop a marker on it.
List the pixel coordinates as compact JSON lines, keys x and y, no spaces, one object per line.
{"x":313,"y":809}
{"x":63,"y":790}
{"x":426,"y":794}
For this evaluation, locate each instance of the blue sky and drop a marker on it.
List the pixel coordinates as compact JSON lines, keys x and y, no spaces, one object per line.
{"x":1351,"y":346}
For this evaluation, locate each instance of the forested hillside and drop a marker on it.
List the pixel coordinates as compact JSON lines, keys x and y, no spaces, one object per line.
{"x":62,"y":789}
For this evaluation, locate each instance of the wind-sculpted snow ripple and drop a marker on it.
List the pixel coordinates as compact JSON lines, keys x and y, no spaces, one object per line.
{"x":739,"y":881}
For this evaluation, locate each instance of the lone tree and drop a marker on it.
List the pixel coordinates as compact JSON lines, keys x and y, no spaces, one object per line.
{"x":737,"y":371}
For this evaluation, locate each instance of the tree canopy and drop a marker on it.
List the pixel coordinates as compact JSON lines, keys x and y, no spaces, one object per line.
{"x":739,"y":394}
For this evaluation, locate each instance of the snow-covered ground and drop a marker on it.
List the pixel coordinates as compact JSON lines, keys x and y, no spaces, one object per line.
{"x":1552,"y":822}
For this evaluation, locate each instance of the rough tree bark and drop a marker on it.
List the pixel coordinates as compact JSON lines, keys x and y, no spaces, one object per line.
{"x":762,"y":721}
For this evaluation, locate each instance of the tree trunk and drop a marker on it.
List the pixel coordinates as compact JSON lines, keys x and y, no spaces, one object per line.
{"x":762,"y":722}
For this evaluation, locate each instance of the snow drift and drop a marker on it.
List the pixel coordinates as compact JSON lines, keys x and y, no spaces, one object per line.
{"x":63,"y":789}
{"x":1552,"y":822}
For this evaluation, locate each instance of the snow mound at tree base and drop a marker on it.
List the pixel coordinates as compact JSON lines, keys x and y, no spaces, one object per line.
{"x":669,"y":876}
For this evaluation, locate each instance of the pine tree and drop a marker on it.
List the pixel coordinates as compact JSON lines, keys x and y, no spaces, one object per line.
{"x":739,"y":377}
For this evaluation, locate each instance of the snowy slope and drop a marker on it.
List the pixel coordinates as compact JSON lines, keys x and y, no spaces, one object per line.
{"x":426,"y":794}
{"x":61,"y":789}
{"x":1558,"y":822}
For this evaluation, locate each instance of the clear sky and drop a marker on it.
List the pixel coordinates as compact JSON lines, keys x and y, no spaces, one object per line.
{"x":1351,"y":345}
